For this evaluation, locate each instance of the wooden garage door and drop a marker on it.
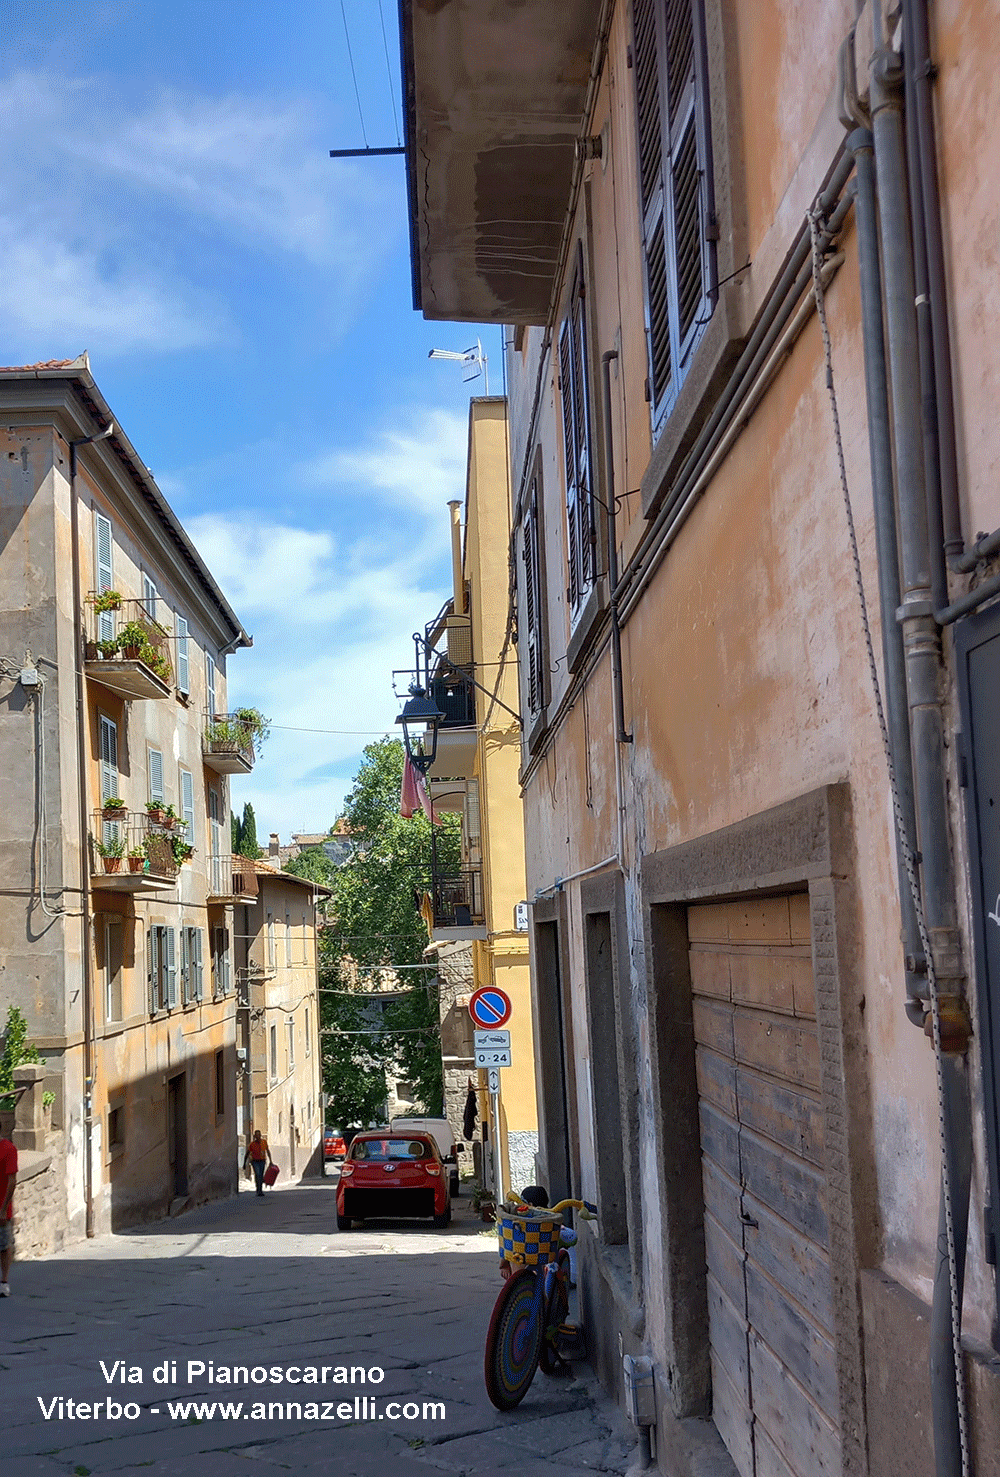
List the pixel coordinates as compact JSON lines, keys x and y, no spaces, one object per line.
{"x":770,"y":1317}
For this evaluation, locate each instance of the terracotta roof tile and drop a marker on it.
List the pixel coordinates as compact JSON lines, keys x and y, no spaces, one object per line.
{"x":45,"y":364}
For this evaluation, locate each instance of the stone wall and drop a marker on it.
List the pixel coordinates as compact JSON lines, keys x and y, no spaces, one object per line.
{"x":455,"y":981}
{"x":40,"y":1214}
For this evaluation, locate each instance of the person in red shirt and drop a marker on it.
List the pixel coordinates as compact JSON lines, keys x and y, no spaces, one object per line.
{"x":8,"y":1179}
{"x":258,"y":1156}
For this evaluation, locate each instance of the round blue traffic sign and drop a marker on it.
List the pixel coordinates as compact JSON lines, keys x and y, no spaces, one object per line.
{"x":489,"y":1008}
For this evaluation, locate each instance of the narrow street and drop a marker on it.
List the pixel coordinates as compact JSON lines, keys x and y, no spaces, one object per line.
{"x":272,"y":1285}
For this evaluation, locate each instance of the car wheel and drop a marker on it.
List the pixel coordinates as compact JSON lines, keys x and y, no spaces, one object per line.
{"x":344,"y":1222}
{"x":453,"y":1186}
{"x":440,"y":1221}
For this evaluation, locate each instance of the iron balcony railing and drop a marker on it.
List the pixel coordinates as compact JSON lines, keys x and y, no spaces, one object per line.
{"x":458,"y":900}
{"x":128,"y":633}
{"x":228,"y":737}
{"x":126,"y":843}
{"x":231,"y":876}
{"x":456,"y":699}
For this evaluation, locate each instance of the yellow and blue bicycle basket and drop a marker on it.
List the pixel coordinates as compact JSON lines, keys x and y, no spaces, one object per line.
{"x":526,"y":1239}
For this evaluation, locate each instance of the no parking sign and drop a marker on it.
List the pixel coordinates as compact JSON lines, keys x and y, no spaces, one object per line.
{"x":490,"y":1007}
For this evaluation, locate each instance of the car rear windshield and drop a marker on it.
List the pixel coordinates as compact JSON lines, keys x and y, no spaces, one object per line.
{"x":390,"y":1149}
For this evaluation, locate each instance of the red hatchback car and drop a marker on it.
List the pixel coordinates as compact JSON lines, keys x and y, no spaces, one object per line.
{"x":387,"y":1174}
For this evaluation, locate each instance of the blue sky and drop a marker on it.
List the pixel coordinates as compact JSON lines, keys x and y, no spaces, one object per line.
{"x":170,"y":206}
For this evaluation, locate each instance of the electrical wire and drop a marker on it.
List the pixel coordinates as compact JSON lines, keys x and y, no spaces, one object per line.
{"x":905,"y":846}
{"x":350,"y":58}
{"x":388,"y":69}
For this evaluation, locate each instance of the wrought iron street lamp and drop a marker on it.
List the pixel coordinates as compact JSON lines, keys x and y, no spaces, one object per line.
{"x":420,"y":716}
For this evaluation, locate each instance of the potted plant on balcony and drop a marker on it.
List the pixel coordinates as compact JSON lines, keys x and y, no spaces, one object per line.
{"x":156,"y":811}
{"x":253,"y":726}
{"x":111,"y":852}
{"x":170,"y":817}
{"x":107,"y":600}
{"x":182,"y":851}
{"x":133,"y":638}
{"x":225,"y":737}
{"x":137,"y":859}
{"x":112,"y":807}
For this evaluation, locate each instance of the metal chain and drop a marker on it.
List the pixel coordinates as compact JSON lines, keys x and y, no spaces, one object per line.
{"x":909,"y":860}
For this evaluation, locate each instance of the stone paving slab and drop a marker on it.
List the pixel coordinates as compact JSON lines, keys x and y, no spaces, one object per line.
{"x":271,"y":1283}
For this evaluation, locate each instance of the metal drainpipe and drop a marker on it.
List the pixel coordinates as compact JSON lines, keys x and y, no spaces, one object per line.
{"x":922,"y":646}
{"x":81,"y":756}
{"x":624,"y":737}
{"x":919,"y":103}
{"x":880,"y":452}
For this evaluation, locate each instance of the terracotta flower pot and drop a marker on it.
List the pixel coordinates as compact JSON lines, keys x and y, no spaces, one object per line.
{"x":136,"y":863}
{"x":113,"y":812}
{"x":131,"y":653}
{"x":156,"y":816}
{"x":112,"y":863}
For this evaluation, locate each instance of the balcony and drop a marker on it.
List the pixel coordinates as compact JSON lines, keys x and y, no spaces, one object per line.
{"x":132,"y":853}
{"x":458,"y":907}
{"x":127,"y":650}
{"x":227,"y":744}
{"x":231,"y":879}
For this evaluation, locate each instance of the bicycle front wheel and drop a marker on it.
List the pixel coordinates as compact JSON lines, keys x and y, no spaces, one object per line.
{"x":514,"y":1340}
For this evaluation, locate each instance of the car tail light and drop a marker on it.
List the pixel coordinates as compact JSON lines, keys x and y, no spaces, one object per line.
{"x":432,"y":1168}
{"x":346,"y":1170}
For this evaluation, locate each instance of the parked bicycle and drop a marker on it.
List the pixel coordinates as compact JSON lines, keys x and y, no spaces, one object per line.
{"x":534,"y":1301}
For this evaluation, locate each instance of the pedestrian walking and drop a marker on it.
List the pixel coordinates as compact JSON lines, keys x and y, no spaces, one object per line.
{"x":8,"y":1179}
{"x":258,"y":1156}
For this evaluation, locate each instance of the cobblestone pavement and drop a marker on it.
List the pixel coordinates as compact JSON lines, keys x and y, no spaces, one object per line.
{"x":271,"y":1283}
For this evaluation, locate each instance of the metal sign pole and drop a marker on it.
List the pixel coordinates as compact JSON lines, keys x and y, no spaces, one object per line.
{"x":494,"y":1086}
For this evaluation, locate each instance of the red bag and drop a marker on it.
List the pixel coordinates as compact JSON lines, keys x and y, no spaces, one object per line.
{"x":270,"y":1174}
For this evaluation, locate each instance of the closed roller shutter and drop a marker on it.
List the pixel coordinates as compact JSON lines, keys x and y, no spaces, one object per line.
{"x":770,"y":1316}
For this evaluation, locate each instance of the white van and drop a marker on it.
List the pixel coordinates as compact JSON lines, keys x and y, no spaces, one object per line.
{"x":441,"y":1132}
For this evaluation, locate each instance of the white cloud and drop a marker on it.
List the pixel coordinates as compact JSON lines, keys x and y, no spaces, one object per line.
{"x":332,"y":615}
{"x":124,"y":218}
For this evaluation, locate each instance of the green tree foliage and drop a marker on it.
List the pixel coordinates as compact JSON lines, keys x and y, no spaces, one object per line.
{"x":313,"y":864}
{"x":234,"y":827}
{"x":377,"y":921}
{"x":353,"y":1064}
{"x":15,"y":1053}
{"x":248,"y":835}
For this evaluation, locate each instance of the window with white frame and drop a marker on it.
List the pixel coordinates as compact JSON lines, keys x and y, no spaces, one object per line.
{"x":274,"y":1052}
{"x":114,"y":961}
{"x":183,"y":656}
{"x":220,"y":960}
{"x":574,"y":382}
{"x":150,"y":597}
{"x":270,"y":941}
{"x":192,"y":981}
{"x":210,"y":684}
{"x":109,"y":758}
{"x":291,"y":1044}
{"x":162,"y":958}
{"x":104,"y":574}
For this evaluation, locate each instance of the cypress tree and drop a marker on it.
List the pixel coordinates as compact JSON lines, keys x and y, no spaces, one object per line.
{"x":248,"y":834}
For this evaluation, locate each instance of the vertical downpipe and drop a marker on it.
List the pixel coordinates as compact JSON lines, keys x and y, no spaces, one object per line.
{"x":922,"y":646}
{"x":81,"y":753}
{"x":457,"y":577}
{"x":880,"y":453}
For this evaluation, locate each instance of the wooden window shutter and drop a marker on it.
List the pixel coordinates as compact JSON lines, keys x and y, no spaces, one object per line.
{"x":170,"y":966}
{"x":187,"y":804}
{"x":105,"y":574}
{"x":155,"y":760}
{"x":109,"y":759}
{"x":532,"y":596}
{"x":674,"y":178}
{"x":575,"y":393}
{"x":183,"y":660}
